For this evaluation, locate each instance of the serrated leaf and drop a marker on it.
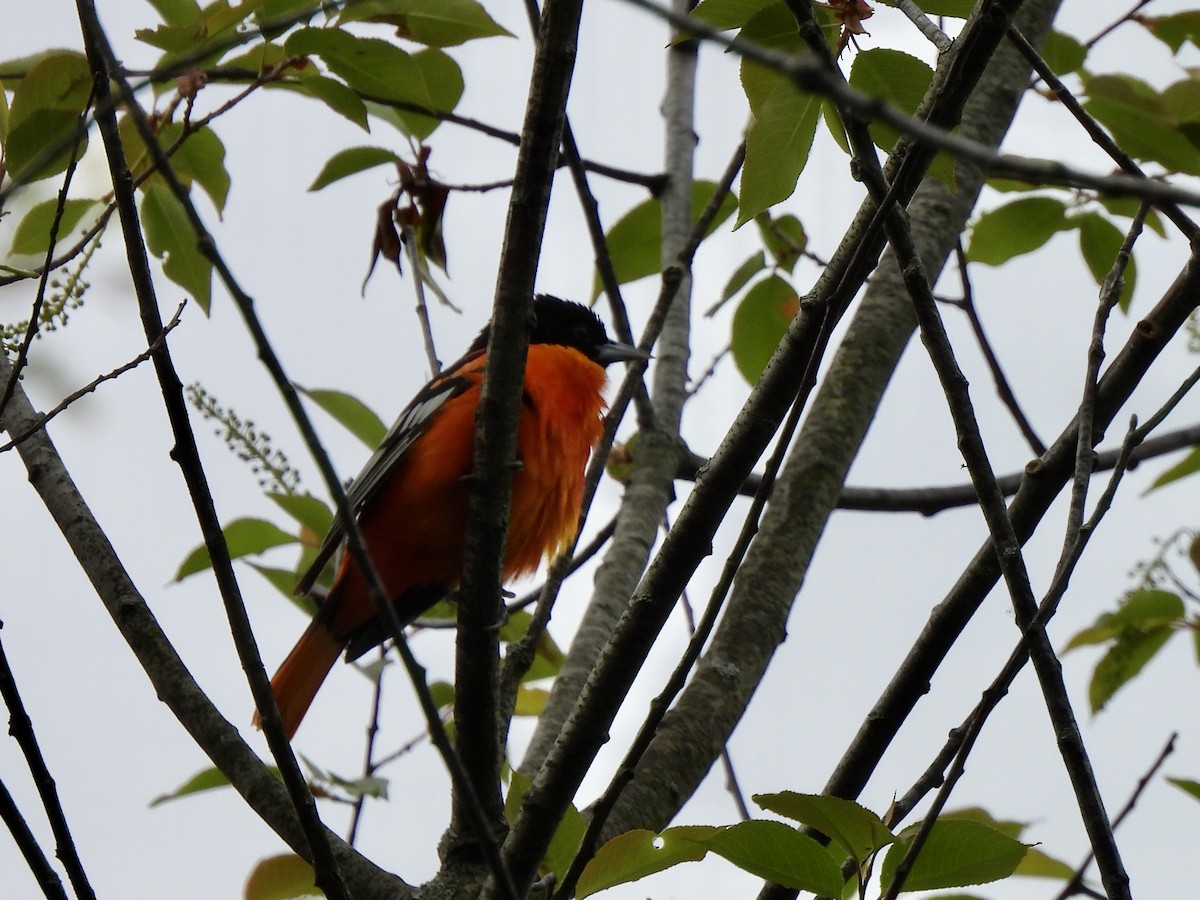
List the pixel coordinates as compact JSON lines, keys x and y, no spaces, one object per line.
{"x":205,"y":780}
{"x":283,"y":877}
{"x":1019,"y":227}
{"x":44,"y":115}
{"x":243,"y":537}
{"x":200,"y":158}
{"x":635,"y":240}
{"x":350,"y":412}
{"x":1189,"y":465}
{"x":636,"y":854}
{"x":170,"y":237}
{"x":780,"y":854}
{"x":1139,"y":121}
{"x":1127,"y":657}
{"x":350,"y":162}
{"x":894,"y":77}
{"x":32,"y":234}
{"x":761,"y":320}
{"x":435,"y":23}
{"x":1099,"y":242}
{"x":1139,"y":610}
{"x":957,"y":853}
{"x":855,"y":829}
{"x":381,"y":71}
{"x":779,"y":138}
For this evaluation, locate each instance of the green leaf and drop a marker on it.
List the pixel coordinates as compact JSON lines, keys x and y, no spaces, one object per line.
{"x":892,"y":76}
{"x":1188,"y":786}
{"x":1124,"y":660}
{"x":1037,"y":864}
{"x":205,"y":780}
{"x":33,"y":232}
{"x":759,"y":324}
{"x":176,"y":12}
{"x":1139,"y":611}
{"x":243,"y":537}
{"x":284,"y":581}
{"x":354,"y":415}
{"x":959,"y":9}
{"x":1173,"y":30}
{"x":783,"y":118}
{"x":1127,"y":207}
{"x":200,"y":158}
{"x":781,"y":855}
{"x":635,"y":240}
{"x":957,"y":853}
{"x":1063,"y":54}
{"x":636,"y":854}
{"x":784,"y":237}
{"x":1016,"y":228}
{"x":531,"y":701}
{"x":171,"y":238}
{"x":548,"y":658}
{"x":283,"y":877}
{"x":567,"y":836}
{"x":435,"y":23}
{"x":726,"y":14}
{"x":3,"y":115}
{"x":1140,"y":122}
{"x":339,"y":98}
{"x":350,"y":162}
{"x":1099,"y":242}
{"x":44,"y":115}
{"x":855,"y":829}
{"x":778,"y":143}
{"x":380,"y":71}
{"x":306,"y":509}
{"x":1189,"y":465}
{"x":742,"y":275}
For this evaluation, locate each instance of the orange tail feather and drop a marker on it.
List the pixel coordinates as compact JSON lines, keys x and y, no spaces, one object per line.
{"x":302,"y":674}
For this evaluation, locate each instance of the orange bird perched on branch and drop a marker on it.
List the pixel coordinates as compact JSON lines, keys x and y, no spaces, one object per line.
{"x":410,"y":500}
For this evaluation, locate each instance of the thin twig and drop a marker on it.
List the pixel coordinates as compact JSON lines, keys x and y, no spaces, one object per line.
{"x":1095,"y":131}
{"x":23,"y":837}
{"x":20,"y":726}
{"x":1003,"y":389}
{"x":809,"y":76}
{"x":92,"y":385}
{"x":1076,"y":881}
{"x":932,"y":33}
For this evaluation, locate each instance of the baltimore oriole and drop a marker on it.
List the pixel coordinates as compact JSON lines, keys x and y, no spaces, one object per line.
{"x":411,"y":497}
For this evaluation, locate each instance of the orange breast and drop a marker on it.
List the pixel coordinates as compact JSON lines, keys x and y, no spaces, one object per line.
{"x":414,"y":527}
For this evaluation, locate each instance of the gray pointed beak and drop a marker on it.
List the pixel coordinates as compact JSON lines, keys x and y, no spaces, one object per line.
{"x":614,"y":352}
